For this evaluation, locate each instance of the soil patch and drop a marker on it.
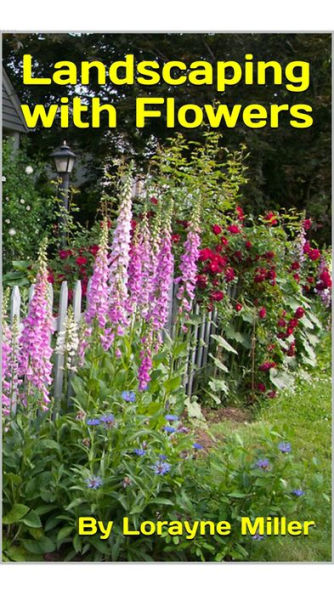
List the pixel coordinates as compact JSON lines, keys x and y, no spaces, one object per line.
{"x":215,"y":416}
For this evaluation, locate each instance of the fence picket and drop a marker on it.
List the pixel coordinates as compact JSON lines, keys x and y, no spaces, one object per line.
{"x":61,"y":324}
{"x":197,"y":350}
{"x":15,"y":305}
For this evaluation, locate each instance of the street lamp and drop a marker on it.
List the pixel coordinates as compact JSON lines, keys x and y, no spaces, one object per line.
{"x":64,"y":160}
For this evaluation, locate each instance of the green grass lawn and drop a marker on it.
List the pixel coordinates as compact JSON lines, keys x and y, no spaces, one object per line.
{"x":303,"y":417}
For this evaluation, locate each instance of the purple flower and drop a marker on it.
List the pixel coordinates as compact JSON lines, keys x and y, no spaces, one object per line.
{"x":119,"y":262}
{"x":128,"y":396}
{"x":284,"y":447}
{"x":107,"y":419}
{"x":161,"y":468}
{"x":197,"y":446}
{"x":162,"y":457}
{"x":140,"y":452}
{"x":263,"y":464}
{"x":162,"y":282}
{"x":171,"y":417}
{"x":298,"y":492}
{"x":98,"y":291}
{"x":93,"y":422}
{"x":188,"y":266}
{"x":94,"y":482}
{"x":257,"y":537}
{"x":169,"y":429}
{"x":35,"y":348}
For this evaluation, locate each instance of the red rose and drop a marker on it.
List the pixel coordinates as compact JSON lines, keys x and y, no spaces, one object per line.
{"x":63,"y":254}
{"x":272,"y":394}
{"x":240,"y":213}
{"x":261,"y":387}
{"x":248,"y":245}
{"x":296,"y":277}
{"x":307,"y":247}
{"x":224,"y":241}
{"x":81,"y":260}
{"x":262,"y":312}
{"x":325,"y":280}
{"x":176,"y":238}
{"x":234,"y":229}
{"x":267,"y":366}
{"x":229,"y":274}
{"x":307,"y":224}
{"x":216,"y":229}
{"x":217,"y":296}
{"x":295,"y":266}
{"x":299,"y":312}
{"x":51,"y":278}
{"x":93,"y":249}
{"x":281,"y":322}
{"x":201,"y":281}
{"x":314,"y":254}
{"x":205,"y":254}
{"x":310,"y":279}
{"x":269,"y":255}
{"x":238,"y":307}
{"x":154,"y":200}
{"x":271,"y":218}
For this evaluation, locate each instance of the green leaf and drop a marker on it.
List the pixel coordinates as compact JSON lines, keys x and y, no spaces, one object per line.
{"x":173,"y":383}
{"x":43,"y":546}
{"x":218,"y":363}
{"x":280,"y":379}
{"x":63,"y":533}
{"x":224,"y":344}
{"x":16,"y":514}
{"x":32,"y":520}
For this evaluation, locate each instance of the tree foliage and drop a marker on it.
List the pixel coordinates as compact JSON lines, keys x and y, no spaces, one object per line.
{"x":286,"y":166}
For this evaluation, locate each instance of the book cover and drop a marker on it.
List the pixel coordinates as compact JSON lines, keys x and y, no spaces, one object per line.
{"x":166,"y":297}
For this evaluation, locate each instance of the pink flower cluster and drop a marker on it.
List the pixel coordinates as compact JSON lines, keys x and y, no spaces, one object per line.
{"x":35,"y":340}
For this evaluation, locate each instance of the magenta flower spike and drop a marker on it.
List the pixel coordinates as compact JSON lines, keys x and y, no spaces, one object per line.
{"x":35,"y":348}
{"x":119,"y":262}
{"x":98,"y":292}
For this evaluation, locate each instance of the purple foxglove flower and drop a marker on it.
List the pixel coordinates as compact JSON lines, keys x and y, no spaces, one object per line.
{"x":35,"y":347}
{"x":119,"y":262}
{"x":98,"y":291}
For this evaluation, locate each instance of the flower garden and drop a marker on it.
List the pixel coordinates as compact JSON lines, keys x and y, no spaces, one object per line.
{"x":192,"y":310}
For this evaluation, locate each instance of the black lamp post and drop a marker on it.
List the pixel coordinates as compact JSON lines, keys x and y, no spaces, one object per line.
{"x":64,"y":160}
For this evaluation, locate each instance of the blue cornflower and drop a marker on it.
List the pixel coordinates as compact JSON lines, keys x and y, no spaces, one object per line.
{"x":93,"y":422}
{"x":171,"y":417}
{"x":197,"y":446}
{"x":161,"y":468}
{"x":128,"y":396}
{"x":284,"y":447}
{"x":162,"y":457}
{"x":169,"y":429}
{"x":298,"y":492}
{"x":94,"y":482}
{"x":139,"y":451}
{"x":263,"y":464}
{"x":107,"y":419}
{"x":257,"y":537}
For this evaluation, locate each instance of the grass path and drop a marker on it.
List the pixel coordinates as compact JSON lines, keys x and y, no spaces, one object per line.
{"x":303,"y":417}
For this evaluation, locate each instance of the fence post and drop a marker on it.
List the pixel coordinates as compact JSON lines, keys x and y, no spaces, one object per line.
{"x":61,"y":324}
{"x":15,"y":305}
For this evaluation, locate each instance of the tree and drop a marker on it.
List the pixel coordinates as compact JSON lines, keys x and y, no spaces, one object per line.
{"x":286,"y":166}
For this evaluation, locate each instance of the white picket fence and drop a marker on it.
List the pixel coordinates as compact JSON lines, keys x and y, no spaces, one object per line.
{"x":199,"y":342}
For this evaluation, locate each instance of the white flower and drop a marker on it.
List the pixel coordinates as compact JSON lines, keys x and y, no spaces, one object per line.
{"x":4,"y":178}
{"x":12,"y":231}
{"x":7,"y":221}
{"x":28,"y":207}
{"x":22,"y":201}
{"x":29,"y":170}
{"x":7,"y":198}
